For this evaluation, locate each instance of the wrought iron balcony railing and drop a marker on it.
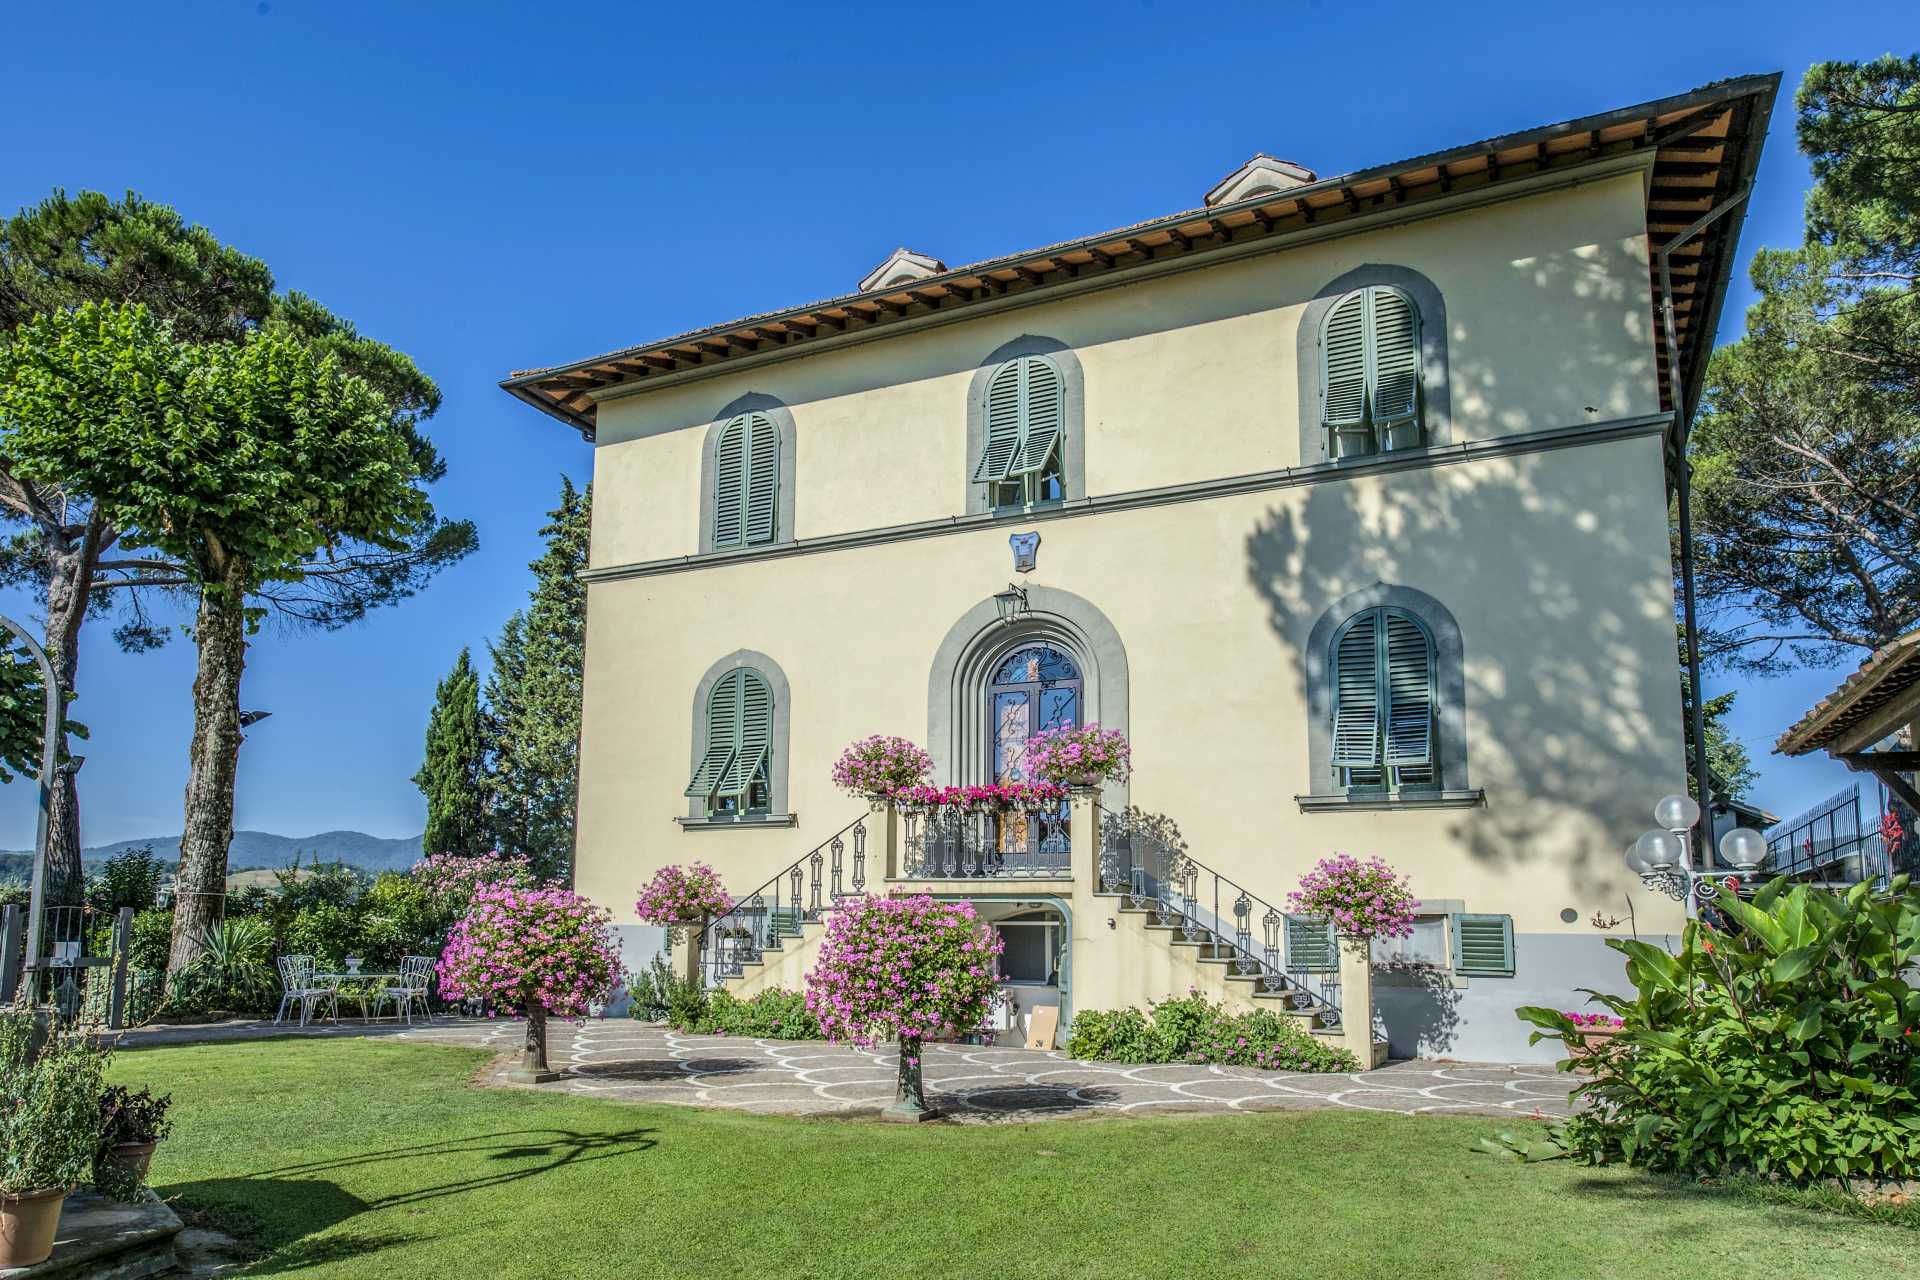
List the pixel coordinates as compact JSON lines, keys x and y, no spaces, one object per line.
{"x":950,"y":843}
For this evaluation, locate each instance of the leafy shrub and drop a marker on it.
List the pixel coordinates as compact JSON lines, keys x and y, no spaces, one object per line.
{"x":327,"y":932}
{"x":1194,"y":1029}
{"x":1784,"y":1046}
{"x":50,"y":1123}
{"x":332,"y":884}
{"x":770,"y":1015}
{"x":130,"y":879}
{"x":686,"y":1004}
{"x":152,"y":939}
{"x":647,"y":990}
{"x":234,"y":973}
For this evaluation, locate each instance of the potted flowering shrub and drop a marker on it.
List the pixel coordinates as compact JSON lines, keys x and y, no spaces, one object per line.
{"x":1080,"y":756}
{"x":1592,"y":1034}
{"x":544,"y":951}
{"x":1363,"y":901}
{"x":679,"y":896}
{"x":879,"y":767}
{"x":915,"y":969}
{"x":49,"y":1129}
{"x":131,"y":1125}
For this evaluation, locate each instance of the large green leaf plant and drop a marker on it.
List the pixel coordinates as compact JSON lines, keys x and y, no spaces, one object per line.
{"x":1785,"y":1043}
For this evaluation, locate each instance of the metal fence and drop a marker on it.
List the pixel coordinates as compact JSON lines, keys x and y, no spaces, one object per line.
{"x":83,"y":972}
{"x":1839,"y":839}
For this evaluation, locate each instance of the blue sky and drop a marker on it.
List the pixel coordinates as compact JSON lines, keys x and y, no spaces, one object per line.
{"x":492,"y":187}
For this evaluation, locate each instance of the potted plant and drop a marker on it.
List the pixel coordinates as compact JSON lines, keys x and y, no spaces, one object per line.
{"x":1079,"y":756}
{"x":49,"y":1130}
{"x":1593,"y":1034}
{"x":881,"y":766}
{"x":541,"y":951}
{"x":130,"y":1126}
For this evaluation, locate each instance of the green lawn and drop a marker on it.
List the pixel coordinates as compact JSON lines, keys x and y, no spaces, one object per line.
{"x":366,"y":1158}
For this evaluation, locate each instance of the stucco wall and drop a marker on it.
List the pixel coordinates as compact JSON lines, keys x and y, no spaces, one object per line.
{"x":1187,"y":377}
{"x":1554,"y":563}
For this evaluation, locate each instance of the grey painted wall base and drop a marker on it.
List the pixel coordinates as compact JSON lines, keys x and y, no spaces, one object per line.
{"x":639,"y":944}
{"x":1476,"y":1023}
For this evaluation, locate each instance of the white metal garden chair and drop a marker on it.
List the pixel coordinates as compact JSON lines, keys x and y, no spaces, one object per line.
{"x":297,"y":988}
{"x":416,"y":972}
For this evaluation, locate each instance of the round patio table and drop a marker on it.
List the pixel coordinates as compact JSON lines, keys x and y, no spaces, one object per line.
{"x":376,"y":990}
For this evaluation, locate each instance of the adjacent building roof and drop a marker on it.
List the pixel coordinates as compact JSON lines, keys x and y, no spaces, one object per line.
{"x":1705,"y":145}
{"x":1889,"y":676}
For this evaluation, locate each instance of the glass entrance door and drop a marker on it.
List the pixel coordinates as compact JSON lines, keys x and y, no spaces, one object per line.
{"x":1033,"y":688}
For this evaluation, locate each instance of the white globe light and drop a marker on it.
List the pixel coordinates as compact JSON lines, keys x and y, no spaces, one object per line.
{"x":1744,"y":848}
{"x":1660,"y":850}
{"x":1636,"y":861}
{"x":1677,"y":813}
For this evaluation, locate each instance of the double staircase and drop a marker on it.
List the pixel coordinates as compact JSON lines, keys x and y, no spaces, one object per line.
{"x":1148,"y":918}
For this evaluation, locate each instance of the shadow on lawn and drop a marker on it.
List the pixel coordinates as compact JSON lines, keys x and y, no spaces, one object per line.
{"x":1020,"y":1097}
{"x":280,"y":1209}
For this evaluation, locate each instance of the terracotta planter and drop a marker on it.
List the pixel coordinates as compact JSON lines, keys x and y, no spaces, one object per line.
{"x":133,"y":1157}
{"x":1591,"y":1042}
{"x":28,"y":1223}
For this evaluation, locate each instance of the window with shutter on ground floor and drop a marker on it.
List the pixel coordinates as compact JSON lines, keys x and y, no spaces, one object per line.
{"x":732,"y":776}
{"x":746,"y":482}
{"x":1370,"y":373}
{"x":1020,"y":461}
{"x":1384,"y":703}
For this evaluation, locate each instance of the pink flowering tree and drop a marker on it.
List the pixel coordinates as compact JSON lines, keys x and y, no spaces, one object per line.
{"x":1364,"y":900}
{"x":1080,"y":755}
{"x":680,"y":896}
{"x":880,"y":766}
{"x":541,"y":951}
{"x":915,"y":969}
{"x":452,"y":877}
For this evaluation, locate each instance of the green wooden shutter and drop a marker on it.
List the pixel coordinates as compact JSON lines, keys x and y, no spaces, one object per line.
{"x":1393,"y":342}
{"x":1483,"y":945}
{"x":1409,"y":663}
{"x":762,"y":478}
{"x":1343,"y":376}
{"x":1003,"y":423}
{"x":729,"y":485}
{"x":754,"y":733}
{"x":1356,"y":693}
{"x":1311,"y":946}
{"x":1042,"y":409}
{"x":723,"y":736}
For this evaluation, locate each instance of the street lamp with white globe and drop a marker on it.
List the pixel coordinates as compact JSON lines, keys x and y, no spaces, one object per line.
{"x":1661,"y":860}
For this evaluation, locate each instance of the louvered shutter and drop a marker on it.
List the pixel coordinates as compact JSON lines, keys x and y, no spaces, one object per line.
{"x":723,"y":736}
{"x":1356,"y":693}
{"x":1343,"y":354}
{"x":1483,"y":945}
{"x":1311,"y":946}
{"x":1393,"y":334}
{"x":1409,"y":692}
{"x":755,"y":734}
{"x":763,"y":477}
{"x":729,"y":485}
{"x":1003,"y":424}
{"x":1042,"y":409}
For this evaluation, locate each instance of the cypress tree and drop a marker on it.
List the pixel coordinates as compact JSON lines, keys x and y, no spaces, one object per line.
{"x":533,"y":698}
{"x":451,"y":777}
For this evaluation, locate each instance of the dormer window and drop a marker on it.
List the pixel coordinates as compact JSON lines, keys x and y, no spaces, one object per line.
{"x":903,"y":266}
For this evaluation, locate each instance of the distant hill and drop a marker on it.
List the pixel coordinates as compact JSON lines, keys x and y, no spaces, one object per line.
{"x":264,"y":849}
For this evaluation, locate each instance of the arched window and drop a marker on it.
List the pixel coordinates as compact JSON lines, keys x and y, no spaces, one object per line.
{"x":1370,"y":373}
{"x":733,"y":776}
{"x":746,"y":482}
{"x":1384,"y":703}
{"x":1020,"y":460}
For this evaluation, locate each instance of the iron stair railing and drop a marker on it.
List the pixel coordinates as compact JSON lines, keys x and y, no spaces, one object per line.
{"x":1145,"y":859}
{"x":763,"y":920}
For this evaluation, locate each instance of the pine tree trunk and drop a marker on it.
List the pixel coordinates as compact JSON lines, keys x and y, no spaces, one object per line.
{"x":213,"y":761}
{"x":69,"y":590}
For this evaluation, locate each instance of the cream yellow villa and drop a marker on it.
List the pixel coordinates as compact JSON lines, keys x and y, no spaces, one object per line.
{"x":1345,"y":498}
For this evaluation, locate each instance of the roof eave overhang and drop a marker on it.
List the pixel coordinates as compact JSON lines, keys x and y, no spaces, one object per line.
{"x":1405,"y":188}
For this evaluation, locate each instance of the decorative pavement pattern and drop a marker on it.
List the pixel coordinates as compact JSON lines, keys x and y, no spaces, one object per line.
{"x":636,"y":1062}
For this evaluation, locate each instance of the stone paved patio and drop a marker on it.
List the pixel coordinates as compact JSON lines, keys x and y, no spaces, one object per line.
{"x":634,"y":1062}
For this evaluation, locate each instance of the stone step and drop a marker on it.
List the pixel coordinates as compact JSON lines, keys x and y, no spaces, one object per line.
{"x":102,"y":1238}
